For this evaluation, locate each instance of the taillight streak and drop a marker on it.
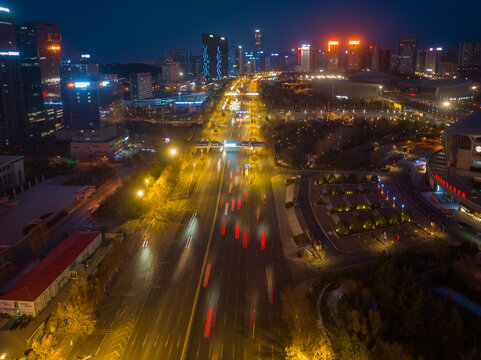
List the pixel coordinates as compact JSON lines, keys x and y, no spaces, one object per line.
{"x":208,"y":321}
{"x":206,"y":276}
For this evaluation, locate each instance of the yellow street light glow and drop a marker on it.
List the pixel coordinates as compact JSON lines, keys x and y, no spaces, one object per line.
{"x":446,"y":103}
{"x":146,"y":181}
{"x":140,"y":193}
{"x":173,"y":151}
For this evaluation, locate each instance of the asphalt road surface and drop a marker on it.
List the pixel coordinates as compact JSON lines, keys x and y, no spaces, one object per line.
{"x":209,"y":287}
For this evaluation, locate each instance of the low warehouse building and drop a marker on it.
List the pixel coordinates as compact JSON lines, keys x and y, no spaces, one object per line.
{"x":31,"y":294}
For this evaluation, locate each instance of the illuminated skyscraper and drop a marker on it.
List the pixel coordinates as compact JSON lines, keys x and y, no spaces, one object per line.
{"x":407,"y":54}
{"x":39,"y":46}
{"x":141,"y":85}
{"x":304,"y":58}
{"x":91,"y":104}
{"x":12,"y":104}
{"x":215,"y":58}
{"x":7,"y":30}
{"x":333,"y":55}
{"x":258,"y":39}
{"x":354,"y":55}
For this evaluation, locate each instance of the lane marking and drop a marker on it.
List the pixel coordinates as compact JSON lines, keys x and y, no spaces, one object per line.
{"x":196,"y":299}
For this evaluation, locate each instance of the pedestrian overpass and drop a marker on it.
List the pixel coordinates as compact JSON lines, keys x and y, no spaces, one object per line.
{"x":251,"y":143}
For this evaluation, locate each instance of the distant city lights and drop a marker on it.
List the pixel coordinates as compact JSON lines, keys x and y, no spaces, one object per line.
{"x":81,"y":84}
{"x":9,"y":53}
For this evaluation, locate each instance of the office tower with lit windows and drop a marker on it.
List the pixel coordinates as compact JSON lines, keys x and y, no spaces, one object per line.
{"x":7,"y":30}
{"x":407,"y":52}
{"x":258,"y":39}
{"x":39,"y":46}
{"x":333,"y":55}
{"x":433,"y":56}
{"x":90,"y":103}
{"x":235,"y":61}
{"x":421,"y":61}
{"x":12,"y":104}
{"x":354,"y":55}
{"x":215,"y":57}
{"x":93,"y":109}
{"x":465,"y":55}
{"x":304,"y":58}
{"x":141,"y":85}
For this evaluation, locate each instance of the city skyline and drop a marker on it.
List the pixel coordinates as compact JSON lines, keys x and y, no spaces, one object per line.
{"x":111,"y":39}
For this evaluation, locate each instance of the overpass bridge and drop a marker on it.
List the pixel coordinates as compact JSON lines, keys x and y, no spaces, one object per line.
{"x":225,"y":144}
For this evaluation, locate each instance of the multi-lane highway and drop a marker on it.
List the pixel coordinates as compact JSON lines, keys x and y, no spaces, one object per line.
{"x":209,"y":287}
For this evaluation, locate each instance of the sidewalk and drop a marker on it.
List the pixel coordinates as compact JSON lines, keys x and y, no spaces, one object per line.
{"x":299,"y":269}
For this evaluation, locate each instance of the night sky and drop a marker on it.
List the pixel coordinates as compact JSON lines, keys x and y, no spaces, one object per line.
{"x":127,"y":30}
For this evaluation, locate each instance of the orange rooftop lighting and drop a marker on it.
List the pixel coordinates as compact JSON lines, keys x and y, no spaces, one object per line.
{"x":332,"y":43}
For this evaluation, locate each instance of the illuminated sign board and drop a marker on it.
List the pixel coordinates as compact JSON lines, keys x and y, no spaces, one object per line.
{"x":82,"y":84}
{"x":332,"y":43}
{"x":54,"y":47}
{"x":9,"y":53}
{"x":4,"y":9}
{"x":104,"y":83}
{"x":85,"y":56}
{"x":354,"y":42}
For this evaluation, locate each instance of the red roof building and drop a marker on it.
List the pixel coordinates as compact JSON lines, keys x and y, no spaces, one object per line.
{"x":31,"y":293}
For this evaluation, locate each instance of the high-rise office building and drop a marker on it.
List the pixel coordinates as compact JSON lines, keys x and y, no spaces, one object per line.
{"x":258,"y":39}
{"x":195,"y":66}
{"x":39,"y":46}
{"x":141,"y":86}
{"x":407,"y":52}
{"x":393,"y":60}
{"x":477,"y":55}
{"x":90,"y":103}
{"x":333,"y":55}
{"x":354,"y":55}
{"x":7,"y":30}
{"x":448,"y":62}
{"x":314,"y":55}
{"x":465,"y":55}
{"x":433,"y":56}
{"x":235,"y":61}
{"x":12,"y":105}
{"x":421,"y":61}
{"x":370,"y":58}
{"x":94,"y":109}
{"x":215,"y":56}
{"x":75,"y":66}
{"x":304,"y":57}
